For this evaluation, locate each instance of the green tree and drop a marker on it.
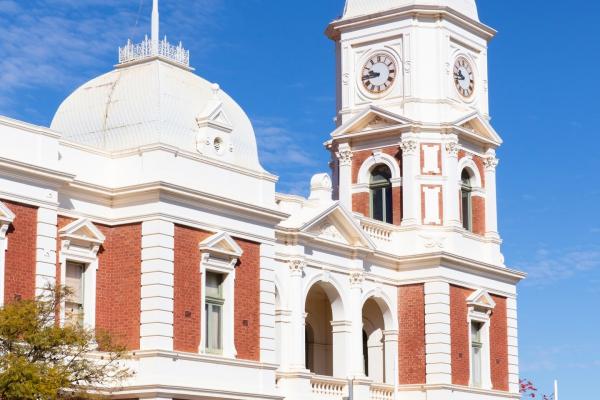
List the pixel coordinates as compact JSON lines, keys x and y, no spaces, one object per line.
{"x":42,"y":360}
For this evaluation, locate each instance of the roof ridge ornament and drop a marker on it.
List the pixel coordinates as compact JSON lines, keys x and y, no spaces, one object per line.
{"x":154,"y":47}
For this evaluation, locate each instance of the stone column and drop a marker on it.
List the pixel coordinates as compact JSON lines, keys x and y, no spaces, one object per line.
{"x":45,"y":259}
{"x":513,"y":345}
{"x":356,"y":363}
{"x":411,"y":195}
{"x":298,"y":315}
{"x":390,"y":339}
{"x":437,"y":333}
{"x":491,"y":209}
{"x":451,"y":194}
{"x":344,"y":156}
{"x":158,"y":267}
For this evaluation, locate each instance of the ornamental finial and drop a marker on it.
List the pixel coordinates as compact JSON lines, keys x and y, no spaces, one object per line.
{"x":155,"y":26}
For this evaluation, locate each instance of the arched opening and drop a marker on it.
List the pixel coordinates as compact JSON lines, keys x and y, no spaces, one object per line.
{"x":378,"y":346}
{"x":380,"y":189}
{"x":466,"y":196}
{"x":324,"y":351}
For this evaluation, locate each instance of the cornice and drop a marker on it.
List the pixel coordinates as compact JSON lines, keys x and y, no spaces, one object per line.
{"x":335,"y":28}
{"x":24,"y":126}
{"x":47,"y":176}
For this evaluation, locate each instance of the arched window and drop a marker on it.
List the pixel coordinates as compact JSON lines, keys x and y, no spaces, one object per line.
{"x":380,"y":188}
{"x":466,"y":191}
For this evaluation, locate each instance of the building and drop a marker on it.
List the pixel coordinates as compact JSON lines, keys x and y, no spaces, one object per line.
{"x":387,"y":282}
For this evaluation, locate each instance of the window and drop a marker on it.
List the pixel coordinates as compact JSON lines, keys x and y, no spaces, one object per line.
{"x":466,"y":200}
{"x":74,"y":303}
{"x":380,"y":189}
{"x":214,"y":302}
{"x":476,"y":353}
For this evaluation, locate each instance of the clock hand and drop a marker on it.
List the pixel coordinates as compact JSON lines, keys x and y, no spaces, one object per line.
{"x":371,"y":75}
{"x":459,"y":76}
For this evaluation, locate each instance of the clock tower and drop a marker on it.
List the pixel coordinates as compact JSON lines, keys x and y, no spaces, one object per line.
{"x":414,"y":146}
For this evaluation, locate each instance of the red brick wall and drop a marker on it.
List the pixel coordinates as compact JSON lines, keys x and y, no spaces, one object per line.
{"x":19,"y":273}
{"x":118,"y":284}
{"x":459,"y":335}
{"x":247,"y":302}
{"x":499,"y":345}
{"x":411,"y":341}
{"x":187,"y":289}
{"x":478,"y":215}
{"x":478,"y":162}
{"x":361,"y":203}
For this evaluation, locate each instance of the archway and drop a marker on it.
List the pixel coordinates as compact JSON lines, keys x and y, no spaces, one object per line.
{"x":378,"y":351}
{"x":324,"y":350}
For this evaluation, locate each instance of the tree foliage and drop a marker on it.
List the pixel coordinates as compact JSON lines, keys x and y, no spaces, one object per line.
{"x":42,"y":360}
{"x":529,"y":391}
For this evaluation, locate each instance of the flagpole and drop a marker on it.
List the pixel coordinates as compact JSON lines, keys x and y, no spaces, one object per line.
{"x":556,"y":389}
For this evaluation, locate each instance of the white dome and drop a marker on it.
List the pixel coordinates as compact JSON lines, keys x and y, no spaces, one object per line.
{"x":157,"y":102}
{"x":355,"y":8}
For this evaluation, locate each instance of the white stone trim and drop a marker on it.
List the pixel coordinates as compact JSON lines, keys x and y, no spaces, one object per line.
{"x":479,"y":311}
{"x":220,"y":253}
{"x":377,"y":158}
{"x":438,"y":348}
{"x":268,"y":311}
{"x":6,"y":219}
{"x":80,"y":243}
{"x":157,"y":292}
{"x":467,"y":162}
{"x":45,"y":255}
{"x":513,"y":345}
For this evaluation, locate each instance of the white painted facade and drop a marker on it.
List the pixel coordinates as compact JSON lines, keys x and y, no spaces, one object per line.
{"x":153,"y":143}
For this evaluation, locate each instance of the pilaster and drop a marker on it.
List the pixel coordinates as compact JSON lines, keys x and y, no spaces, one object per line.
{"x":491,"y":209}
{"x":513,"y":345}
{"x":410,"y":192}
{"x":158,"y":241}
{"x":45,"y":259}
{"x":267,"y":304}
{"x":451,"y":204}
{"x":6,"y":219}
{"x":344,"y":156}
{"x":437,"y":333}
{"x":356,"y":364}
{"x":298,"y":316}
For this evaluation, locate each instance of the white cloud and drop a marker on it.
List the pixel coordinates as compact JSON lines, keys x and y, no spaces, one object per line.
{"x":548,"y":266}
{"x":59,"y":44}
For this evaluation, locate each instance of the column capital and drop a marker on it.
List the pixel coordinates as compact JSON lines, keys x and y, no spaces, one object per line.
{"x":409,"y":146}
{"x":344,"y":156}
{"x":356,"y":278}
{"x":452,"y":148}
{"x":296,"y":266}
{"x":490,"y":163}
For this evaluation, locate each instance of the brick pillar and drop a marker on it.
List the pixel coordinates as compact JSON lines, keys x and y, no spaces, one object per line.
{"x":513,"y":345}
{"x":411,"y":196}
{"x":156,"y":319}
{"x":45,"y":256}
{"x":437,"y":333}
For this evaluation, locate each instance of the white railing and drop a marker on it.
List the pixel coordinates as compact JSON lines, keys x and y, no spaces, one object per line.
{"x":382,"y":392}
{"x":328,"y":388}
{"x":377,"y":230}
{"x":133,"y":52}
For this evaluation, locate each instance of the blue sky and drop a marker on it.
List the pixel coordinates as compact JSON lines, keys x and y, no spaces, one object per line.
{"x":272,"y":57}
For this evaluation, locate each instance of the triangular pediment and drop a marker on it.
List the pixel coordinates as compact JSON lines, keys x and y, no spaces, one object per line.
{"x":371,"y":119}
{"x":83,"y":230}
{"x":337,"y":225}
{"x":481,"y":298}
{"x":223,"y":244}
{"x":214,"y":116}
{"x":475,"y":125}
{"x":6,"y":215}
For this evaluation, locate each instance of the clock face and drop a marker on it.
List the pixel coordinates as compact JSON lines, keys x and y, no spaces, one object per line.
{"x":464,"y":79}
{"x":379,"y":73}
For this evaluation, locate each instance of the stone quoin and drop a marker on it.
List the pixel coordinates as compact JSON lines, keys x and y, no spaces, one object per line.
{"x":147,"y":195}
